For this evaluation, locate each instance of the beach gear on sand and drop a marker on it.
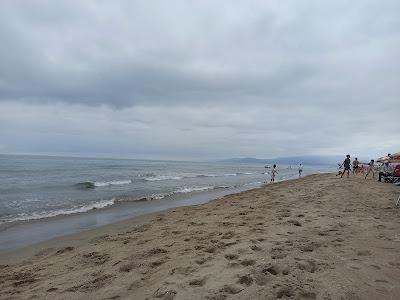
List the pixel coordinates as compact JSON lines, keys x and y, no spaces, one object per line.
{"x":398,"y":199}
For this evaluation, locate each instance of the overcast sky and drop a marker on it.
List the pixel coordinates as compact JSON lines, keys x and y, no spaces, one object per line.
{"x":200,"y":79}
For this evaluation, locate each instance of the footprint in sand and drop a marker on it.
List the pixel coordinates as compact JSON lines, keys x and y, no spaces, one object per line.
{"x":136,"y":284}
{"x":245,"y":280}
{"x":22,"y":278}
{"x":294,"y":222}
{"x":395,"y":264}
{"x":308,"y":265}
{"x":154,"y":251}
{"x":202,"y":260}
{"x":96,"y":258}
{"x":309,"y":247}
{"x":183,"y":270}
{"x":92,"y":285}
{"x":128,"y":267}
{"x":277,"y":253}
{"x":65,"y":249}
{"x":285,"y":291}
{"x":363,"y":253}
{"x":248,"y":262}
{"x":164,"y":293}
{"x":198,"y":282}
{"x":262,"y":273}
{"x":158,"y":262}
{"x":228,"y":235}
{"x":231,"y":256}
{"x":255,"y":248}
{"x":231,"y":289}
{"x":44,"y":252}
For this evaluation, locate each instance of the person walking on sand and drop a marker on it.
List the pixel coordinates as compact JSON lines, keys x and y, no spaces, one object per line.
{"x":355,"y":166}
{"x":273,"y":173}
{"x":300,"y":170}
{"x":371,"y":167}
{"x":346,"y":164}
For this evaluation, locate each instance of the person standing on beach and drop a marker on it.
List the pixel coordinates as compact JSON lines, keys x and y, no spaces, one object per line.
{"x":346,"y":164}
{"x":371,"y":167}
{"x":300,"y":170}
{"x":273,"y":173}
{"x":386,"y":170}
{"x":355,"y":165}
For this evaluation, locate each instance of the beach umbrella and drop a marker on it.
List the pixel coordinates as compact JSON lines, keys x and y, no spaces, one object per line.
{"x":383,"y":159}
{"x":395,"y":156}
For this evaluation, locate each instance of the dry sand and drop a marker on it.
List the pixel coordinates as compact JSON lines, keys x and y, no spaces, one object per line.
{"x":319,"y":237}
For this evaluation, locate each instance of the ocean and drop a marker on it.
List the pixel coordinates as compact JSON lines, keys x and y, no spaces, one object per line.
{"x":42,"y":187}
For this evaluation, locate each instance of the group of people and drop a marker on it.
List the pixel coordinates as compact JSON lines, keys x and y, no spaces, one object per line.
{"x":357,"y":167}
{"x":274,"y":171}
{"x":385,"y":169}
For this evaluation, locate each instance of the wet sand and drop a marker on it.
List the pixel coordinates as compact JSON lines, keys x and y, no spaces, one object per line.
{"x":319,"y":237}
{"x":25,"y":233}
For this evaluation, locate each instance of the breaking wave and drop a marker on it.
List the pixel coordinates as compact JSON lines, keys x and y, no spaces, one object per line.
{"x":58,"y":212}
{"x":162,"y":177}
{"x":94,"y":184}
{"x":150,"y":177}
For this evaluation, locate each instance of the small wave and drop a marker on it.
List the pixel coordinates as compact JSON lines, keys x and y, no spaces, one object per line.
{"x":92,"y":185}
{"x":224,"y":175}
{"x":253,"y":183}
{"x":58,"y":212}
{"x":183,"y":190}
{"x":163,"y":177}
{"x":207,"y":175}
{"x":224,"y":186}
{"x":85,"y":185}
{"x":194,"y":189}
{"x":112,"y":182}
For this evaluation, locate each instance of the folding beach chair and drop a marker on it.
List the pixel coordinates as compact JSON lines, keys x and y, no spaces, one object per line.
{"x":395,"y":177}
{"x":398,"y":199}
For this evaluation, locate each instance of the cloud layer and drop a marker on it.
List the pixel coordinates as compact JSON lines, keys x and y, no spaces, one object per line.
{"x":180,"y":79}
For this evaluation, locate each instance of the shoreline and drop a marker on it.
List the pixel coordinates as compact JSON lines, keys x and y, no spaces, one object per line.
{"x":61,"y":225}
{"x":11,"y":253}
{"x":317,"y":237}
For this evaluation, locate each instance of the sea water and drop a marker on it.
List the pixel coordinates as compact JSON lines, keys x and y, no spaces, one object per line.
{"x":43,"y":187}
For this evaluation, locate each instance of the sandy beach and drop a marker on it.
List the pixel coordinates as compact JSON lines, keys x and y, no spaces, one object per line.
{"x":319,"y":237}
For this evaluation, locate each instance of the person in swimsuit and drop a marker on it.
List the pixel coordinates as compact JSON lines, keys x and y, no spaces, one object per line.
{"x":273,"y":173}
{"x":346,"y":164}
{"x":371,"y":167}
{"x":300,"y":169}
{"x":355,"y":165}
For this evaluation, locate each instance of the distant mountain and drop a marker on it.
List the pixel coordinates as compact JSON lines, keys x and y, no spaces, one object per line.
{"x":289,"y":160}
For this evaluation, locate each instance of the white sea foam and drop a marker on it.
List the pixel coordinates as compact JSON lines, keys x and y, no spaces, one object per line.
{"x":112,"y":182}
{"x":163,"y":177}
{"x":194,"y":189}
{"x":58,"y":212}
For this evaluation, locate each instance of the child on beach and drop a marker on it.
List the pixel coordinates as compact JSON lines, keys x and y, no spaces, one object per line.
{"x":346,"y":164}
{"x":273,"y":173}
{"x":300,"y":170}
{"x":371,"y":167}
{"x":339,"y":168}
{"x":355,"y":166}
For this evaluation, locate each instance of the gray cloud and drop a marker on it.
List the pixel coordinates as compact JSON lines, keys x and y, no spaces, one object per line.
{"x":209,"y":79}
